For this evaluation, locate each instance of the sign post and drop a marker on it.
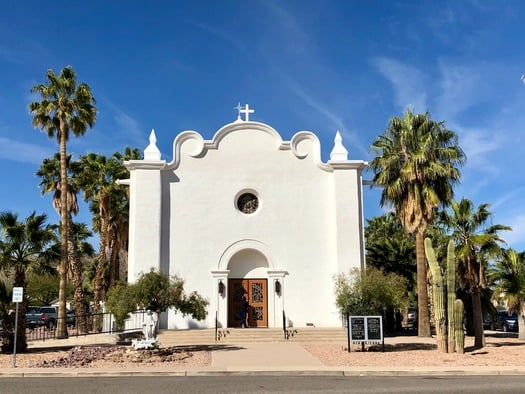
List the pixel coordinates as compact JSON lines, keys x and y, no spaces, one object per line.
{"x":18,"y":295}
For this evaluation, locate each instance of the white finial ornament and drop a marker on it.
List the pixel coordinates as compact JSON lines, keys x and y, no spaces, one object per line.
{"x":339,"y":152}
{"x":152,"y":152}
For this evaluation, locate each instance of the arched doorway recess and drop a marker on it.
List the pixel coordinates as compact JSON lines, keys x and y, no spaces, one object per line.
{"x":248,"y":289}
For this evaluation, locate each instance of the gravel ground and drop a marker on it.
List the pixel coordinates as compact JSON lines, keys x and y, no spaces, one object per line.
{"x":500,"y":350}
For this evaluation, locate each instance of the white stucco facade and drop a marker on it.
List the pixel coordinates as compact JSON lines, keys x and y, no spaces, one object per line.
{"x":307,"y":224}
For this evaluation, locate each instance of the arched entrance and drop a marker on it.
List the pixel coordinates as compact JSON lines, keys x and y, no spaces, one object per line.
{"x":248,"y":289}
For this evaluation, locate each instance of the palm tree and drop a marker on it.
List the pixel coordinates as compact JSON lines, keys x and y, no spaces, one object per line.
{"x":476,"y":242}
{"x":79,"y":249}
{"x":416,"y":164}
{"x":98,"y":181}
{"x":64,"y":107}
{"x":119,"y":222}
{"x":509,"y":278}
{"x":49,"y":172}
{"x":118,"y":233}
{"x":24,"y":246}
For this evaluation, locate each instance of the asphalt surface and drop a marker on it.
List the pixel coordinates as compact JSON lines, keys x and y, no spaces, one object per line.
{"x":266,"y":384}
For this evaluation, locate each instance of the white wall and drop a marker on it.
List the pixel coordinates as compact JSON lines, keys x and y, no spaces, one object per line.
{"x":308,"y":224}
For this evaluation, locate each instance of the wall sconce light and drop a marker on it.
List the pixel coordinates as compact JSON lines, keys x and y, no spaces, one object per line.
{"x":221,"y":288}
{"x":278,"y":287}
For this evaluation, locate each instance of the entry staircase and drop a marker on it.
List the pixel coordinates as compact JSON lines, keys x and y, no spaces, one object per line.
{"x":233,"y":336}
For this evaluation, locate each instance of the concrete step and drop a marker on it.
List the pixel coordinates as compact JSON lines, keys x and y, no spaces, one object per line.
{"x":251,"y":335}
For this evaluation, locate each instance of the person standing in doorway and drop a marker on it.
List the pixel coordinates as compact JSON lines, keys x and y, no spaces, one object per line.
{"x":244,"y":312}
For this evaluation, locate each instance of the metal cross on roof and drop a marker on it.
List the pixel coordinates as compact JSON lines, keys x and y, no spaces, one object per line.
{"x":246,"y":110}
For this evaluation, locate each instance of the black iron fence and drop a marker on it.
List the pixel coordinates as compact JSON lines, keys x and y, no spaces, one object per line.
{"x":100,"y":323}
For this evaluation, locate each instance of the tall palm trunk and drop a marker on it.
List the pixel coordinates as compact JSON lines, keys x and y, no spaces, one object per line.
{"x":114,"y":260}
{"x":423,"y":329}
{"x":76,"y":268}
{"x":61,"y":327}
{"x":479,"y":336}
{"x":98,"y":287}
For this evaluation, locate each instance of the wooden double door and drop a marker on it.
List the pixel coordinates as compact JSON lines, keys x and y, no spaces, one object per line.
{"x":254,"y":292}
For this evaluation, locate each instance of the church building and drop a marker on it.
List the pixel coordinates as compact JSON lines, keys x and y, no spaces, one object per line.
{"x":247,"y":215}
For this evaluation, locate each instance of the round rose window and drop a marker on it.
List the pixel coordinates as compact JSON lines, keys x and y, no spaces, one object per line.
{"x":247,"y":203}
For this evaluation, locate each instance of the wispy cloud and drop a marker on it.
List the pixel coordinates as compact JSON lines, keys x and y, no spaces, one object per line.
{"x":226,"y":36}
{"x":287,"y":43}
{"x":407,"y":82}
{"x":23,"y":152}
{"x":125,"y":125}
{"x":516,"y":237}
{"x":293,"y":39}
{"x":128,"y":125}
{"x":316,"y":105}
{"x":508,"y":197}
{"x":478,"y":144}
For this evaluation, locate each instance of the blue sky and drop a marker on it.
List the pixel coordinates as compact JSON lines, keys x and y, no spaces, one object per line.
{"x":320,"y":66}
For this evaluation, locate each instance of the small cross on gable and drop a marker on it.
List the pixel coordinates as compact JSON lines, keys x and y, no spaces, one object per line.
{"x":246,"y":110}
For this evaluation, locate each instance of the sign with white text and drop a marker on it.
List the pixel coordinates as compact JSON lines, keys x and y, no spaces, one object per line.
{"x":18,"y":294}
{"x":367,"y":329}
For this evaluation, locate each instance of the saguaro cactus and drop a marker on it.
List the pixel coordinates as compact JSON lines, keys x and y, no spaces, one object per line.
{"x":448,"y":312}
{"x":451,"y":294}
{"x":438,"y":293}
{"x":458,"y":324}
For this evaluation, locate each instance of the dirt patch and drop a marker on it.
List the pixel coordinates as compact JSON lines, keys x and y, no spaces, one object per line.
{"x":112,"y":357}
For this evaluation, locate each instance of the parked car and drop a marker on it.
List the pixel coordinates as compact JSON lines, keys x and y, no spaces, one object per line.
{"x":49,"y":316}
{"x":33,"y":317}
{"x":508,"y":322}
{"x":410,"y":319}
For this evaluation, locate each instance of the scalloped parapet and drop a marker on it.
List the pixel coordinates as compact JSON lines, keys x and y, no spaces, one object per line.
{"x":303,"y":144}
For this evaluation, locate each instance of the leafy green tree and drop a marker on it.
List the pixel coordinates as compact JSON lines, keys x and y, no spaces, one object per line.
{"x":416,"y":165}
{"x":476,"y":242}
{"x":121,"y":302}
{"x":64,"y":107}
{"x":390,"y":248}
{"x":42,"y":289}
{"x":509,"y":277}
{"x":24,"y":246}
{"x":156,"y":292}
{"x":370,"y":292}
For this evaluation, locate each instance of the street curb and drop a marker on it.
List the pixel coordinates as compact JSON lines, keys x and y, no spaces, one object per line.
{"x":210,"y":373}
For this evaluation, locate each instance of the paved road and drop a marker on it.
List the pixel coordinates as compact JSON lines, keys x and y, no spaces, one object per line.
{"x":266,"y":384}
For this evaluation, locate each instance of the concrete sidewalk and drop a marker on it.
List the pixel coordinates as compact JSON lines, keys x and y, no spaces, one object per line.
{"x":276,"y":359}
{"x":266,"y":356}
